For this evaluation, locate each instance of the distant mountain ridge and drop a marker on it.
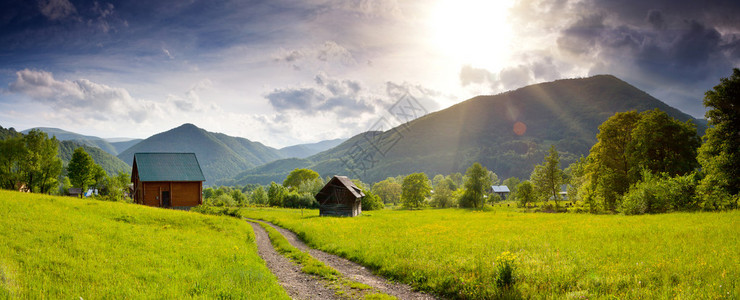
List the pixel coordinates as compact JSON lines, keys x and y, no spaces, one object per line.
{"x":219,"y":155}
{"x":507,"y":133}
{"x":306,"y":150}
{"x":111,"y":147}
{"x":224,"y":155}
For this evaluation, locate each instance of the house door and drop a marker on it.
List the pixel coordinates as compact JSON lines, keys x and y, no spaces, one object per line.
{"x":166,"y":199}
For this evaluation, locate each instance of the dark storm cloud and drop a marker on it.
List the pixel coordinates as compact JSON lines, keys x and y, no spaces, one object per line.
{"x":672,"y":49}
{"x":684,"y":50}
{"x":39,"y":34}
{"x":582,"y":37}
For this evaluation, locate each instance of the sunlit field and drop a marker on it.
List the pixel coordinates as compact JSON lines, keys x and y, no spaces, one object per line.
{"x":67,"y":248}
{"x":452,"y":251}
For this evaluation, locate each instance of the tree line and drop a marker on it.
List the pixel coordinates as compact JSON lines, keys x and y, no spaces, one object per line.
{"x":30,"y":163}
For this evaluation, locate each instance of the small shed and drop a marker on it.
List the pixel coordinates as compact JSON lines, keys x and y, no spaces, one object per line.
{"x":501,"y":190}
{"x":340,"y":197}
{"x":172,"y":180}
{"x":75,"y":192}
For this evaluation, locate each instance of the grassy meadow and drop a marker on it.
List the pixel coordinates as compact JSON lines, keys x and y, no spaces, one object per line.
{"x":67,"y":248}
{"x":452,"y":251}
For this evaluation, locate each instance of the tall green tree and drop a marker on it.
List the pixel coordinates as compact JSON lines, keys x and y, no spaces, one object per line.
{"x":457,"y":178}
{"x":662,"y":144}
{"x":275,"y":194}
{"x":99,"y":177}
{"x":547,"y":177}
{"x":41,"y":166}
{"x":116,"y":186}
{"x":389,"y":190}
{"x":12,"y":153}
{"x":414,"y":190}
{"x":575,"y":177}
{"x":478,"y":181}
{"x":608,"y":169}
{"x":512,"y":183}
{"x":525,"y":193}
{"x":81,"y":169}
{"x":720,"y":154}
{"x":298,"y":176}
{"x":259,"y":196}
{"x":443,"y":196}
{"x":628,"y":143}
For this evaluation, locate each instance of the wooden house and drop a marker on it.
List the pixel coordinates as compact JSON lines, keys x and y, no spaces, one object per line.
{"x":340,"y":197}
{"x":501,"y":190}
{"x":173,"y":180}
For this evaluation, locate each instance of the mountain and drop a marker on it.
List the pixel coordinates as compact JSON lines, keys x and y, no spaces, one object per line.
{"x":121,"y":146}
{"x":306,"y":150}
{"x":219,"y":155}
{"x":508,"y":133}
{"x":111,"y":164}
{"x":64,"y":135}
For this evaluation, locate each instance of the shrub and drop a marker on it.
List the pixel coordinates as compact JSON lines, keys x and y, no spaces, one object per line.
{"x":443,"y":197}
{"x":494,"y":198}
{"x":504,"y":265}
{"x":371,"y":201}
{"x":298,"y":200}
{"x":660,"y":194}
{"x":216,"y":210}
{"x":220,"y":200}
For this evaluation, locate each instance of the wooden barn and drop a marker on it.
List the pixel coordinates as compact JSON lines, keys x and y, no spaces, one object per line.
{"x":502,"y":190}
{"x":172,"y":180}
{"x":340,"y":197}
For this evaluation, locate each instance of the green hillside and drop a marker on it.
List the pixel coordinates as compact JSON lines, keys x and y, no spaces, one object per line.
{"x":219,"y":155}
{"x":564,"y":113}
{"x":111,"y":164}
{"x":64,"y":135}
{"x":67,"y":248}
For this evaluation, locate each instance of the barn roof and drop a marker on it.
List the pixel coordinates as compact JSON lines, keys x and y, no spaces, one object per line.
{"x":346,"y":182}
{"x":168,"y":167}
{"x":500,"y":189}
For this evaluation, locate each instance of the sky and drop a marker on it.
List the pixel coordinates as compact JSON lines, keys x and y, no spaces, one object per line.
{"x":289,"y":72}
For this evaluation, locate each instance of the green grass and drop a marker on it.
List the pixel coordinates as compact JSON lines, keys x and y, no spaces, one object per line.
{"x":67,"y":248}
{"x":452,"y":251}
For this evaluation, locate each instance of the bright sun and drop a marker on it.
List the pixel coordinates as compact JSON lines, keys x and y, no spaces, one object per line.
{"x":473,"y":32}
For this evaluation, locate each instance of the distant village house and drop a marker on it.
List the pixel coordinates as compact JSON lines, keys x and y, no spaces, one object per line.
{"x":340,"y":197}
{"x":501,"y":190}
{"x":171,"y":180}
{"x":75,"y":192}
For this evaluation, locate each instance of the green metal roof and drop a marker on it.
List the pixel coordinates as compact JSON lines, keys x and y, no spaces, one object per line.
{"x":168,"y":167}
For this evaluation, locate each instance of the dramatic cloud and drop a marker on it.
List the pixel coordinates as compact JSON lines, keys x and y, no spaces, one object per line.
{"x":250,"y":68}
{"x":539,"y":69}
{"x":328,"y":95}
{"x":80,"y":97}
